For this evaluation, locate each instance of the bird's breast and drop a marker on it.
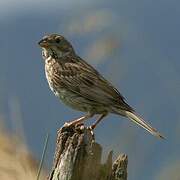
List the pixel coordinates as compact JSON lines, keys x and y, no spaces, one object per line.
{"x":52,"y":69}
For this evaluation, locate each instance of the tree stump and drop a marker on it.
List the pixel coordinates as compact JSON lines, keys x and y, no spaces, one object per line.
{"x":78,"y":157}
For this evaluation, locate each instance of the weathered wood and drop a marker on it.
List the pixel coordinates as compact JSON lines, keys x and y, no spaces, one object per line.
{"x":119,"y":168}
{"x":78,"y":157}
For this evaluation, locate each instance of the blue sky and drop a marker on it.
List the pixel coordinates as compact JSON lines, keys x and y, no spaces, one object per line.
{"x":143,"y":63}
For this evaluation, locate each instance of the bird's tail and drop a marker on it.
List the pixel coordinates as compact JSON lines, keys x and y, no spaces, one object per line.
{"x":139,"y":121}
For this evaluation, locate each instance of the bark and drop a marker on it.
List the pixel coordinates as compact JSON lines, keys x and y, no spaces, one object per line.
{"x":78,"y":157}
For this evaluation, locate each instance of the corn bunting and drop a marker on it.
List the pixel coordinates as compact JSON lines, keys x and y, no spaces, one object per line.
{"x":82,"y":87}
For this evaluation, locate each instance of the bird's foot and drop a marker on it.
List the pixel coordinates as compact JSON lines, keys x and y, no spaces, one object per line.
{"x":72,"y":124}
{"x":77,"y":122}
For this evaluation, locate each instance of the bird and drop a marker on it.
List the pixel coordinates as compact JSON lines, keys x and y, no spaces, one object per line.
{"x":79,"y":85}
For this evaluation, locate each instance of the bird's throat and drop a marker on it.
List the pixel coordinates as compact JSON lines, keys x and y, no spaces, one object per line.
{"x":56,"y":54}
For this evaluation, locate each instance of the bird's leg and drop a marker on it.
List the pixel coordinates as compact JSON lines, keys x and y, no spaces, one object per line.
{"x":97,"y":121}
{"x":79,"y":120}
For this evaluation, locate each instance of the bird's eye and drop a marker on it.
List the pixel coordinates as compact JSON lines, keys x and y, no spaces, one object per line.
{"x":57,"y":40}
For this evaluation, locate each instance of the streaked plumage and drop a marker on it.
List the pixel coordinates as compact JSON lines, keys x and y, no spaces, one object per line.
{"x":80,"y":86}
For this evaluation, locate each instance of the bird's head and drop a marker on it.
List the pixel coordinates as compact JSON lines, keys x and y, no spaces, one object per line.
{"x":56,"y":45}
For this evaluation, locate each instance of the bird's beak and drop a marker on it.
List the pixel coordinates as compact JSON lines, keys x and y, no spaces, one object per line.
{"x":43,"y":43}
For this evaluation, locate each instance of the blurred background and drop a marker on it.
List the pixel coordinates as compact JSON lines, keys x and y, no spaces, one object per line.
{"x":134,"y":44}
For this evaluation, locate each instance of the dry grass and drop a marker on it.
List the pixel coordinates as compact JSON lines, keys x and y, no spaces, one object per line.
{"x":16,"y":162}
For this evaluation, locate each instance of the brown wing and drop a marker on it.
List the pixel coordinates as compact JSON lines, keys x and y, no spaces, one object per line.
{"x":83,"y":79}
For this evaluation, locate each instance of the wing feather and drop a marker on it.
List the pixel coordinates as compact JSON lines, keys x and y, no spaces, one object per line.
{"x":84,"y":80}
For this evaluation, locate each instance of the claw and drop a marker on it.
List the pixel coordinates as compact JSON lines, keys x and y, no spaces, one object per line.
{"x":78,"y":121}
{"x":67,"y":124}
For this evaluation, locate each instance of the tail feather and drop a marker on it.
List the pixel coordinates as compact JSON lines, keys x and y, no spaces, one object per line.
{"x":139,"y":121}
